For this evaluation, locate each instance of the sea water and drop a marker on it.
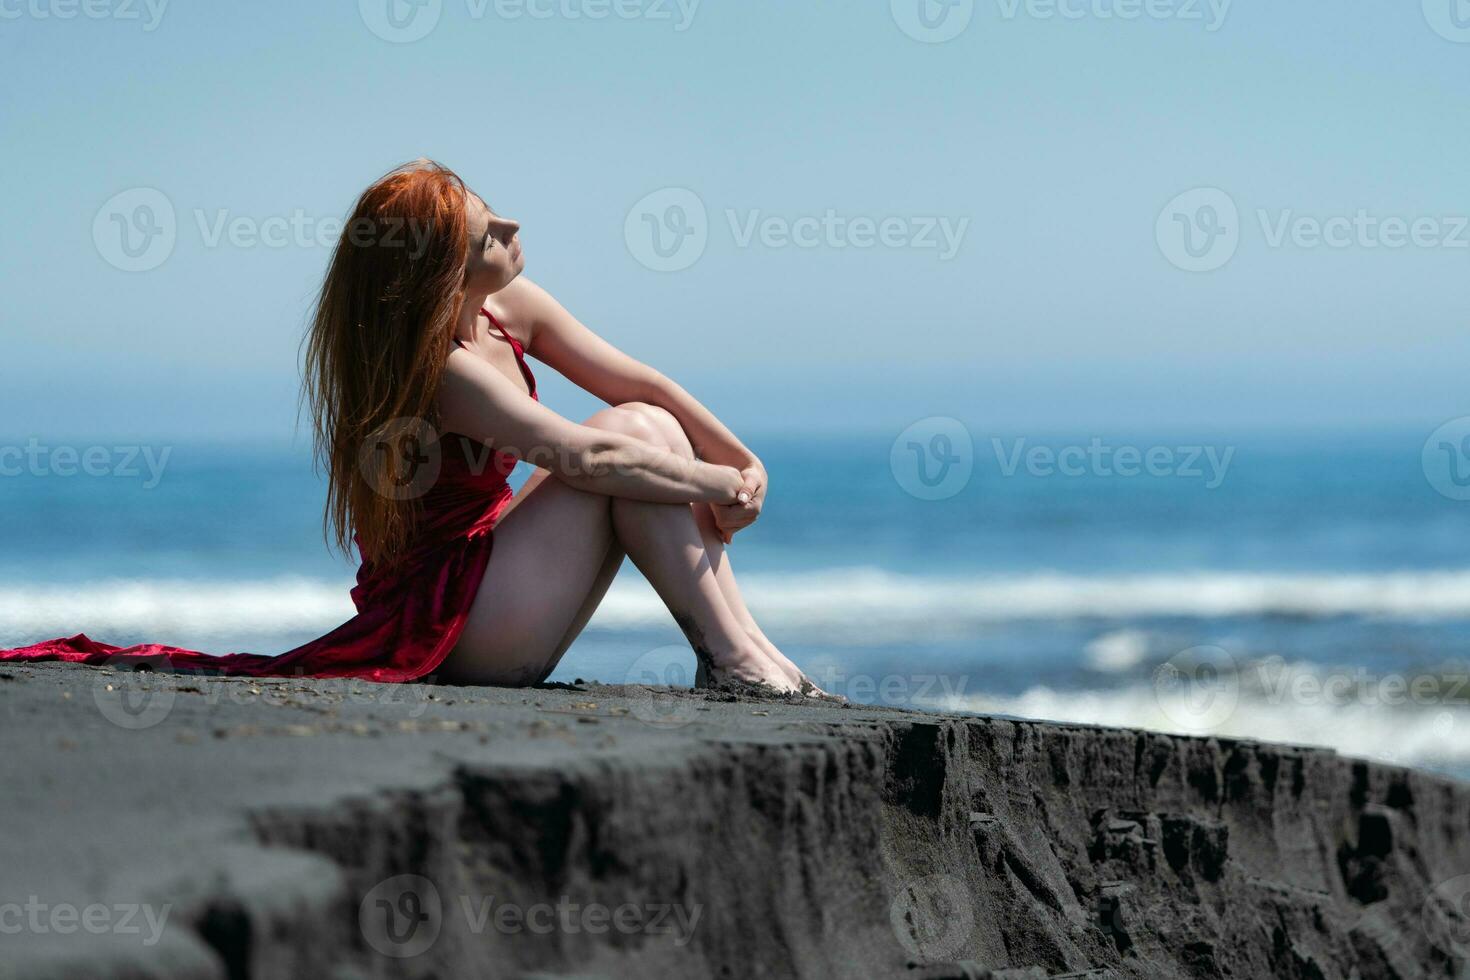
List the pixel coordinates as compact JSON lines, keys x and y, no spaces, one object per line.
{"x":1311,"y":589}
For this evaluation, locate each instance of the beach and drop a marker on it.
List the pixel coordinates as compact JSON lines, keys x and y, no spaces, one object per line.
{"x":1327,"y":582}
{"x":169,"y":826}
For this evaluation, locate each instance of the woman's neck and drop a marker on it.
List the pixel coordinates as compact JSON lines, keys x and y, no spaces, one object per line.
{"x":469,"y":312}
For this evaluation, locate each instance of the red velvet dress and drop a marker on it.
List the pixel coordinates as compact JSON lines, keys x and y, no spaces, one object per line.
{"x":408,"y":618}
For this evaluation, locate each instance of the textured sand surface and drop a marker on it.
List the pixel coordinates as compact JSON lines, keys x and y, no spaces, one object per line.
{"x":282,"y":828}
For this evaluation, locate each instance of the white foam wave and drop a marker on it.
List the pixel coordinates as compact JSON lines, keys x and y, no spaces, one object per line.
{"x":1434,"y":735}
{"x":864,"y":606}
{"x":1118,"y":651}
{"x":179,"y":612}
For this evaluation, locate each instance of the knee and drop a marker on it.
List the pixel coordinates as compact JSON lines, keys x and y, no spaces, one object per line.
{"x":629,"y":419}
{"x":671,"y":433}
{"x":656,"y":415}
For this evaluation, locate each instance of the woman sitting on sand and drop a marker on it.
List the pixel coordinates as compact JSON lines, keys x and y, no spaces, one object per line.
{"x":423,"y":402}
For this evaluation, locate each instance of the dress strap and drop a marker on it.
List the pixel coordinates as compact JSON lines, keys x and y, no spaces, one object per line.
{"x":503,"y":332}
{"x":518,"y":350}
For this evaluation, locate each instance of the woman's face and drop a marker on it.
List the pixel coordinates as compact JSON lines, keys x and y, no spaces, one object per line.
{"x":494,"y":256}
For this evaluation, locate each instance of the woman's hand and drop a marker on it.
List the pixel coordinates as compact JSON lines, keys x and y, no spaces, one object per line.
{"x":743,"y":513}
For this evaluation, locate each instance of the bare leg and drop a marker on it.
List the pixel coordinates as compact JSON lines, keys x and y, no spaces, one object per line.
{"x":674,"y":436}
{"x":553,"y":550}
{"x":604,"y":580}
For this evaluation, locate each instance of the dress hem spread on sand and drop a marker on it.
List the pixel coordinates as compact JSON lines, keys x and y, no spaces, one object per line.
{"x":408,"y":618}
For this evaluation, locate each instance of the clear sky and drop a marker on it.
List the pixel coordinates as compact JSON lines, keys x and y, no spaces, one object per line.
{"x":1051,"y":140}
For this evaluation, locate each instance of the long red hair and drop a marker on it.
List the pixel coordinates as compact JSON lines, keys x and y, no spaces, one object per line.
{"x":377,"y":346}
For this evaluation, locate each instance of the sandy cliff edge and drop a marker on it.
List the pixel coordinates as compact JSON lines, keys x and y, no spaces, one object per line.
{"x":277,"y":828}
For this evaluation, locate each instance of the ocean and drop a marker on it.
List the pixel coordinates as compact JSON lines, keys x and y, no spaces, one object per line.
{"x":1312,"y":589}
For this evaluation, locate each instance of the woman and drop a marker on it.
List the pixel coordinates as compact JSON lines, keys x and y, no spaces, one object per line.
{"x":421,"y":329}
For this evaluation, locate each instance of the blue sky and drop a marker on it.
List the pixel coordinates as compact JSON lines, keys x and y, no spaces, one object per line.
{"x":1051,"y":139}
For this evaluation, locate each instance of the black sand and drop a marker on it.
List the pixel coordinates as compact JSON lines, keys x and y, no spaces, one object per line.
{"x":259,"y":829}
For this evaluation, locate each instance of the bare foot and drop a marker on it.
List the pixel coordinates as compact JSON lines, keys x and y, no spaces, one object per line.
{"x":793,"y":673}
{"x":750,"y":668}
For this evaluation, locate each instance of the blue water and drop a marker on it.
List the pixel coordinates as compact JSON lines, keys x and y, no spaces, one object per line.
{"x":1330,"y":558}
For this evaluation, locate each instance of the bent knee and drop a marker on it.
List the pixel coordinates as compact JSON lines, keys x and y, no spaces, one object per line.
{"x":671,"y":433}
{"x":659,"y":416}
{"x":629,"y":421}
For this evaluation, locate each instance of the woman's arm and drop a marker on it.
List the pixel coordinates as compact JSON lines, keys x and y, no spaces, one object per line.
{"x":477,"y":401}
{"x":560,"y":340}
{"x":563,"y":342}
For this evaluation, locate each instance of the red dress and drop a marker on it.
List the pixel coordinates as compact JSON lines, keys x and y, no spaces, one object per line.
{"x":408,"y":618}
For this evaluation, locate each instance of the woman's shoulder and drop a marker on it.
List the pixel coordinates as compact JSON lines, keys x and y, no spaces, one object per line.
{"x":516,"y":308}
